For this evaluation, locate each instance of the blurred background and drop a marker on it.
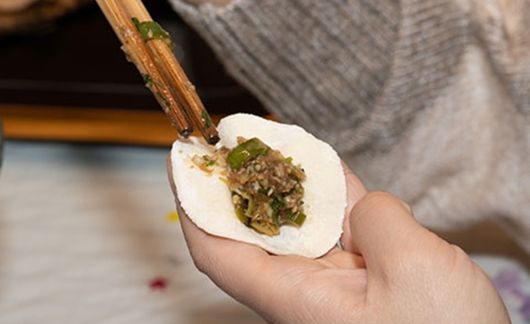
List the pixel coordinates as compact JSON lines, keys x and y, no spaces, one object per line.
{"x":88,"y":231}
{"x":64,"y":77}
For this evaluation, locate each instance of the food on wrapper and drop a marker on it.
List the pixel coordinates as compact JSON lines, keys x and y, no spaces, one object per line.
{"x":234,"y":190}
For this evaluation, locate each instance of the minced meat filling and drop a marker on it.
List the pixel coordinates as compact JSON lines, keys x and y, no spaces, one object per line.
{"x":266,"y":187}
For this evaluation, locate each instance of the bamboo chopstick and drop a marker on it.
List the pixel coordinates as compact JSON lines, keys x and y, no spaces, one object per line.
{"x":163,"y":74}
{"x":136,"y":50}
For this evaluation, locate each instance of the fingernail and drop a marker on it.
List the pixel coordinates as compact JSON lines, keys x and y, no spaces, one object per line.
{"x":407,"y":207}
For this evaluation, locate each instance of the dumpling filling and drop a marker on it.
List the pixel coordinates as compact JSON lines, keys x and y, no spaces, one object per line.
{"x":266,"y":187}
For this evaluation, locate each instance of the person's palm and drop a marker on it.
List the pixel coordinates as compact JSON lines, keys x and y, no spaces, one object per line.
{"x":389,"y":269}
{"x":303,"y":282}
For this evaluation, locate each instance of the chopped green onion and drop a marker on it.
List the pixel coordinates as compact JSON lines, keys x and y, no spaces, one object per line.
{"x":164,"y":99}
{"x":251,"y":205}
{"x":148,"y":81}
{"x":245,"y":152}
{"x":276,"y":205}
{"x":262,"y":191}
{"x":240,"y":213}
{"x":297,"y":219}
{"x":206,"y":120}
{"x":264,"y":228}
{"x":150,"y":30}
{"x":208,"y":160}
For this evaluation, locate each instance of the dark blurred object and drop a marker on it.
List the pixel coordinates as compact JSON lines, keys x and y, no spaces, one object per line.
{"x":67,"y":79}
{"x":23,"y":15}
{"x":1,"y":143}
{"x":76,"y":61}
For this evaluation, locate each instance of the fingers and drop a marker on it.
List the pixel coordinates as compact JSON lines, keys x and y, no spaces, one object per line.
{"x":170,"y":174}
{"x":355,"y":188}
{"x":355,"y":191}
{"x":383,"y":231}
{"x":339,"y":258}
{"x":211,"y":254}
{"x":245,"y":271}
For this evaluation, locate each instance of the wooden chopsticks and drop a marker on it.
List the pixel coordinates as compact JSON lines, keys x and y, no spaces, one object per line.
{"x":149,"y":48}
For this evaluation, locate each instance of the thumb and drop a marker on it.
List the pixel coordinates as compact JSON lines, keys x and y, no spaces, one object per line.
{"x":355,"y":191}
{"x":384,"y":232}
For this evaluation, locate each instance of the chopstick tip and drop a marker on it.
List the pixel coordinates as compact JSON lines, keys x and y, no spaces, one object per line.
{"x":186,"y":132}
{"x":213,"y":139}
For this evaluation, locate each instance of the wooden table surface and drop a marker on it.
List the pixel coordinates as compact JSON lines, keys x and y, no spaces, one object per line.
{"x":90,"y":125}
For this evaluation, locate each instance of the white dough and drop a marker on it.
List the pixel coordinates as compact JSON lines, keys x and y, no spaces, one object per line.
{"x":207,"y":201}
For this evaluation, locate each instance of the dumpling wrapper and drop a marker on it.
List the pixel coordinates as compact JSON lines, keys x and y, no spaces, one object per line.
{"x":206,"y":199}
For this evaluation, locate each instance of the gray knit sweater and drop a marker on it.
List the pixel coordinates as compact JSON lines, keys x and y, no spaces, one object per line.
{"x":428,"y":99}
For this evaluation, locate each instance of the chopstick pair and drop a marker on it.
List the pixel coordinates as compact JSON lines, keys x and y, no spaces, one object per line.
{"x":148,"y":46}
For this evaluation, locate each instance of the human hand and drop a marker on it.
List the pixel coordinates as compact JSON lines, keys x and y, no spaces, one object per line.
{"x":390,"y":270}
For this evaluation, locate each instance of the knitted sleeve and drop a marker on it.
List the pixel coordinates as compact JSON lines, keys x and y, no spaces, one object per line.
{"x":310,"y":62}
{"x":427,"y":99}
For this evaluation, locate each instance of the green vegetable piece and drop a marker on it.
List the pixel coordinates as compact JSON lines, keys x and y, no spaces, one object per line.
{"x":148,"y":81}
{"x":208,"y":160}
{"x":276,"y":205}
{"x":245,"y":152}
{"x":264,"y":228}
{"x":240,"y":213}
{"x":251,"y":205}
{"x":297,"y":219}
{"x":150,"y":30}
{"x":206,"y":120}
{"x":164,"y":99}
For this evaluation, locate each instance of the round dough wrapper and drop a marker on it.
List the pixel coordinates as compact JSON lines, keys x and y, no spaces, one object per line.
{"x":206,"y":199}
